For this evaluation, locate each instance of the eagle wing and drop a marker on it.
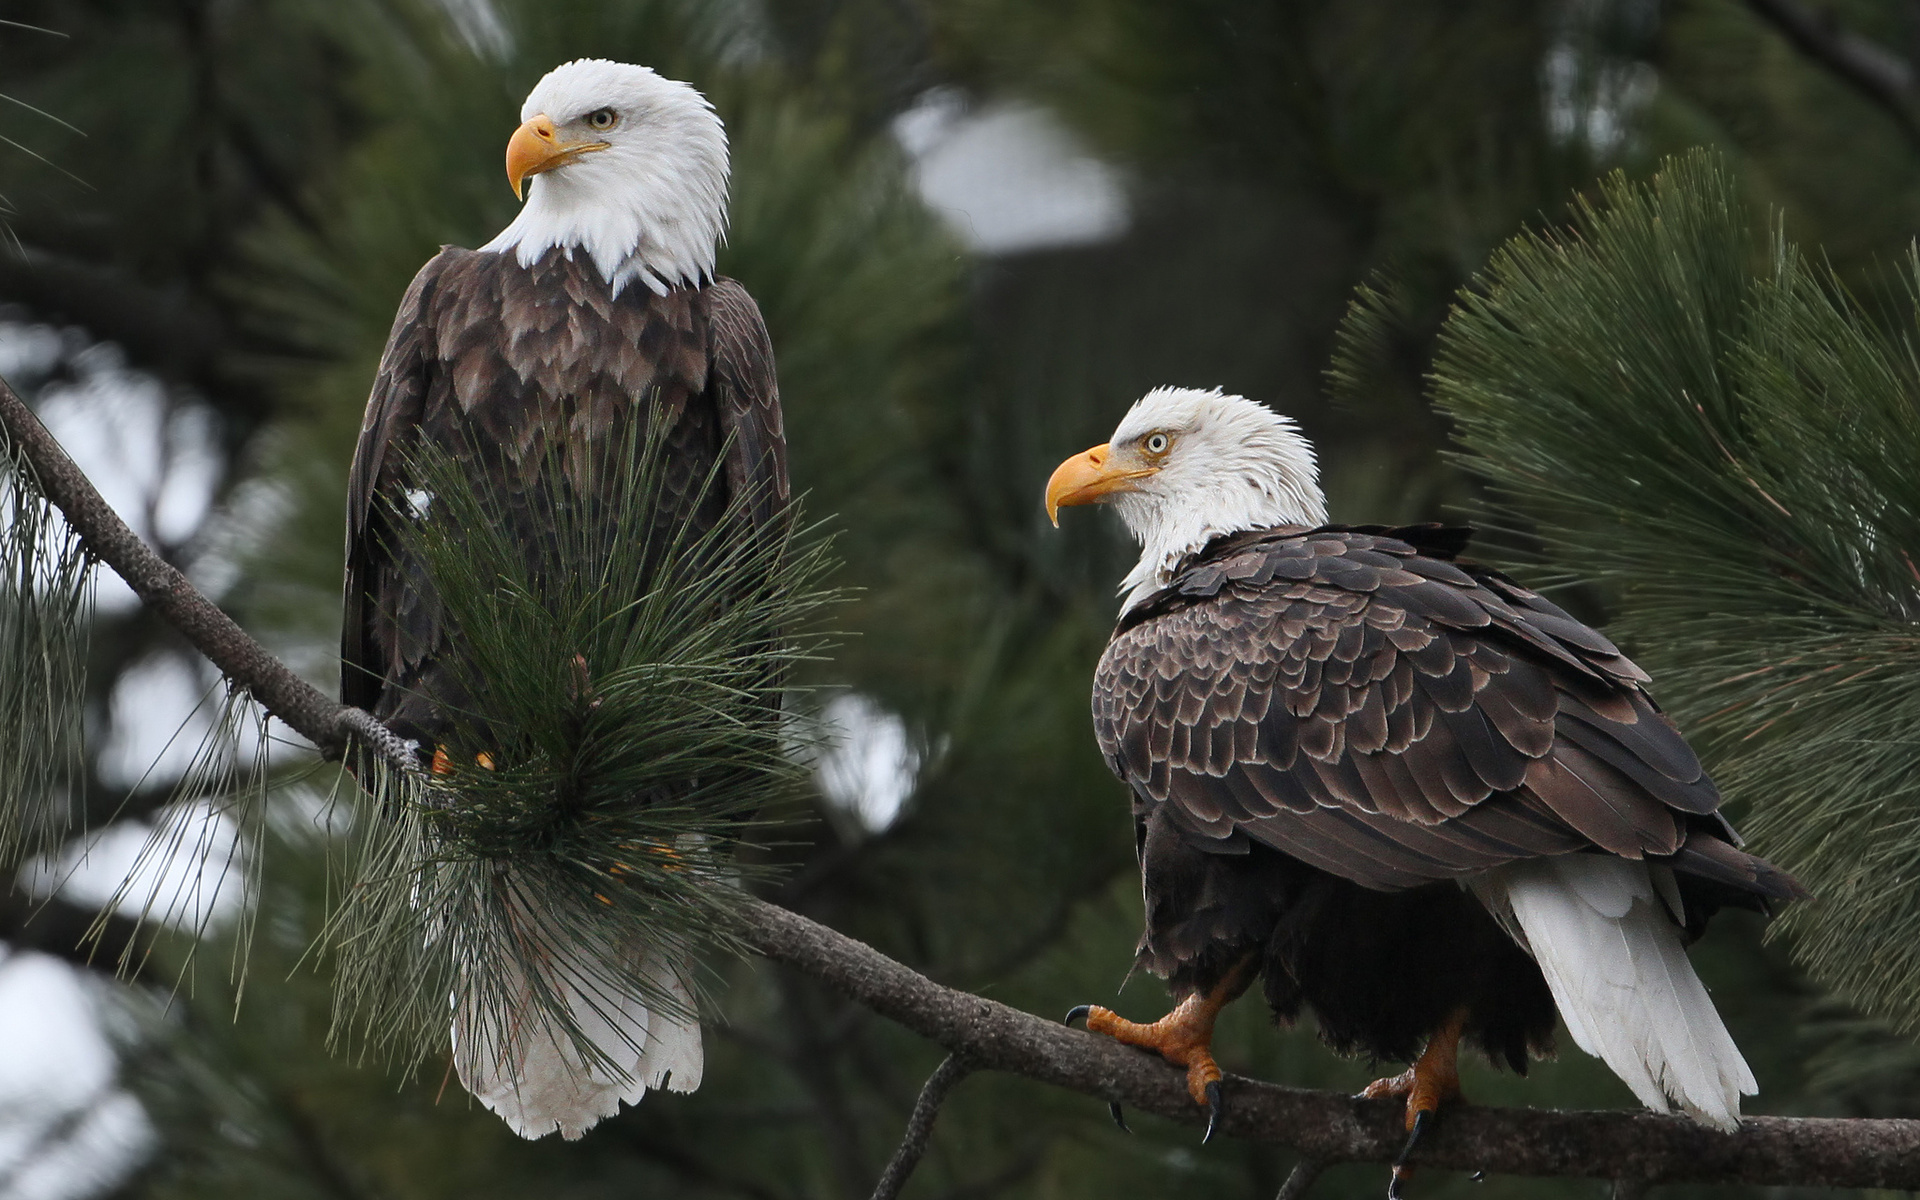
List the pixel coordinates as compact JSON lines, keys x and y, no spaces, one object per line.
{"x":1395,"y":718}
{"x":747,"y":395}
{"x":399,"y":392}
{"x":704,"y":353}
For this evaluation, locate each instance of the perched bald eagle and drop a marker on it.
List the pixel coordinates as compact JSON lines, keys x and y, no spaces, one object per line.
{"x":597,"y":308}
{"x":1401,"y":791}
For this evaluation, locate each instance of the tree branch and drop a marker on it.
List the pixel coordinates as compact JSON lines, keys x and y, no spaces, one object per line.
{"x":164,"y":589}
{"x":1300,"y":1179}
{"x":913,"y":1144}
{"x":1333,"y":1128}
{"x":1870,"y":69}
{"x":1643,"y":1148}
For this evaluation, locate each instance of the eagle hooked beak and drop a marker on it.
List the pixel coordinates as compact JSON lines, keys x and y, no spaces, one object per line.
{"x":1088,"y":477}
{"x":535,"y":147}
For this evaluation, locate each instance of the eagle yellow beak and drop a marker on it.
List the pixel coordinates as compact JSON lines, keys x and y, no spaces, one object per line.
{"x":535,"y":147}
{"x":1087,"y":477}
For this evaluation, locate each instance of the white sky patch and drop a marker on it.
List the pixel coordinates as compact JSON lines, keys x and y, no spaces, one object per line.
{"x":65,"y":1129}
{"x":157,"y":466}
{"x":1594,"y":102}
{"x":1008,"y":176}
{"x":184,"y":868}
{"x":866,"y":762}
{"x":29,"y":349}
{"x":155,"y":462}
{"x":162,"y":711}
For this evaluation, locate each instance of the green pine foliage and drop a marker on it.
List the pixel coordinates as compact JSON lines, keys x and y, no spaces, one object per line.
{"x":1700,"y":421}
{"x":45,"y":601}
{"x":620,"y":729}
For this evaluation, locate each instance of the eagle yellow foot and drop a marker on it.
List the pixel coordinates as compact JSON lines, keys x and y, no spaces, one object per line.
{"x":443,"y":765}
{"x":1184,"y":1037}
{"x":1432,"y":1080}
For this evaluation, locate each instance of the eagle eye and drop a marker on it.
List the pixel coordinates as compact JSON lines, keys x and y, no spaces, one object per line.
{"x":1157,"y":443}
{"x":603,"y":118}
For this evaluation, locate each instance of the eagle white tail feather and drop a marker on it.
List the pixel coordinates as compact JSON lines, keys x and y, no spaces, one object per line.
{"x":1611,"y":953}
{"x":521,"y":1063}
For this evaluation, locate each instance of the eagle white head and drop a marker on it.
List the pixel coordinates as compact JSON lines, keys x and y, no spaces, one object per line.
{"x":624,"y":166}
{"x":1185,"y":466}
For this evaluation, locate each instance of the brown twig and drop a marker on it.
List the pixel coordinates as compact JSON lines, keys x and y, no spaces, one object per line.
{"x":1324,"y":1127}
{"x":1300,"y":1179}
{"x":913,"y":1143}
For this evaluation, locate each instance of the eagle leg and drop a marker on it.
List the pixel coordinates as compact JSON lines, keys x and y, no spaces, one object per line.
{"x":1184,"y":1037}
{"x":1433,"y":1079}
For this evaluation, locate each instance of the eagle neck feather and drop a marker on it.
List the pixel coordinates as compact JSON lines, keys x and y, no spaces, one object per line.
{"x":663,"y":231}
{"x":1173,"y":534}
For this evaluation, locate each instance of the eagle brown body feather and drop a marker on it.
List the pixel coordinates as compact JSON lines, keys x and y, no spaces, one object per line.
{"x":510,"y":367}
{"x":1326,"y":731}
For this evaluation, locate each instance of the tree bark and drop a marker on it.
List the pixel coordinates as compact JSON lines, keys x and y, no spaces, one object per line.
{"x":1333,"y":1128}
{"x":1323,"y":1126}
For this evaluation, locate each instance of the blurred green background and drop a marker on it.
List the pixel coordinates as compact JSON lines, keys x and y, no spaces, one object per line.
{"x":978,"y":230}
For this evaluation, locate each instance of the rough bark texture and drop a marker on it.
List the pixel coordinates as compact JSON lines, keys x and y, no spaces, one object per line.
{"x":1332,"y":1128}
{"x":1325,"y":1127}
{"x":913,"y":1144}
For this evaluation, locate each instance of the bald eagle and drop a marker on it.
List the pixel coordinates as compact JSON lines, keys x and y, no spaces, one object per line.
{"x":596,"y":309}
{"x":1399,"y":790}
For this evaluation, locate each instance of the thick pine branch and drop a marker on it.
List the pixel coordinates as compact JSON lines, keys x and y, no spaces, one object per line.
{"x":1322,"y":1126}
{"x":1332,"y":1128}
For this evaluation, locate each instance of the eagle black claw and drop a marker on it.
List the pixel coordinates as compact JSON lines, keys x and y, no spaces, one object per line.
{"x":1396,"y":1185}
{"x":1078,"y":1012}
{"x":1421,"y":1120}
{"x":1119,"y":1118}
{"x":1216,"y":1108}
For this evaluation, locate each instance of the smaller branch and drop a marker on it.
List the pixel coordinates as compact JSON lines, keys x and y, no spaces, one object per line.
{"x":1300,"y":1179}
{"x":163,"y":588}
{"x":1870,"y":69}
{"x":1629,"y":1189}
{"x":920,"y":1126}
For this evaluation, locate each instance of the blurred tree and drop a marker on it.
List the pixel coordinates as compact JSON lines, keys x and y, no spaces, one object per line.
{"x":262,"y":177}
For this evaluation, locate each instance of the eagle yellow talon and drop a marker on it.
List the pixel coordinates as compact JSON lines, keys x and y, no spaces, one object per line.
{"x":1432,"y":1080}
{"x":1183,"y":1037}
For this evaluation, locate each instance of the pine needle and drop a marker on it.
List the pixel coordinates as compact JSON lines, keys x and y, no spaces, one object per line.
{"x":624,"y":684}
{"x":1695,"y":418}
{"x":46,"y":598}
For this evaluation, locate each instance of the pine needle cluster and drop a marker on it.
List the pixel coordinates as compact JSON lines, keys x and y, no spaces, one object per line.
{"x":622,"y":727}
{"x":46,"y":599}
{"x":1697,"y":419}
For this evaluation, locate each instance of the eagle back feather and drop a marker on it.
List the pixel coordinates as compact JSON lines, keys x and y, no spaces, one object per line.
{"x":527,"y":361}
{"x":1359,"y":700}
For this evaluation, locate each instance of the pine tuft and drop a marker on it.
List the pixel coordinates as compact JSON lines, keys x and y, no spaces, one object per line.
{"x":1692,"y":415}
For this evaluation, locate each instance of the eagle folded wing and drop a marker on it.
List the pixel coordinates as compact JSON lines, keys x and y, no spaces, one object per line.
{"x":1394,"y":718}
